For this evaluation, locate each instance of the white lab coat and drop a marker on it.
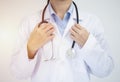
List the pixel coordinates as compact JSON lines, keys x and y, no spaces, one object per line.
{"x":93,"y":58}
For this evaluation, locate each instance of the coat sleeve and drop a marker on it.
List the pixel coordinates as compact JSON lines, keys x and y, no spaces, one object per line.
{"x":96,"y":54}
{"x":21,"y":66}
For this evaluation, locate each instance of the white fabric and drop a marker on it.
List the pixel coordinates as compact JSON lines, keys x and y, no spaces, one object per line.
{"x":93,"y":58}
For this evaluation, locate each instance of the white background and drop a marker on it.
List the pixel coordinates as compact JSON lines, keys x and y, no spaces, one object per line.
{"x":13,"y":11}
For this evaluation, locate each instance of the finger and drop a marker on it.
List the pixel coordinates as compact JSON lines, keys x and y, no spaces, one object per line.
{"x":73,"y":32}
{"x":79,"y":26}
{"x":73,"y":37}
{"x":76,"y":39}
{"x":49,"y":27}
{"x":46,"y":26}
{"x":51,"y":37}
{"x":43,"y":25}
{"x":76,"y":29}
{"x":50,"y":32}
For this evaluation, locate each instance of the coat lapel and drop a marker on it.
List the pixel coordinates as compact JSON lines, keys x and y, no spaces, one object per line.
{"x":71,"y":22}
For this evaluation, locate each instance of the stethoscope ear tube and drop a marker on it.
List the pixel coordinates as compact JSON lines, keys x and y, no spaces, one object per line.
{"x":43,"y":21}
{"x":77,"y":16}
{"x":70,"y":52}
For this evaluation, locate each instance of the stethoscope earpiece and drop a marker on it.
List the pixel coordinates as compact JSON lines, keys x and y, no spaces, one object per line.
{"x":43,"y":21}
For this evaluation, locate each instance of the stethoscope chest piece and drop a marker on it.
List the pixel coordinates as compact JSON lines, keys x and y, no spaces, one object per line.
{"x":71,"y":53}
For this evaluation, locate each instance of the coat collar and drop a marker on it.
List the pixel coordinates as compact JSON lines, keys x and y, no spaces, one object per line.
{"x":71,"y":21}
{"x":48,"y":15}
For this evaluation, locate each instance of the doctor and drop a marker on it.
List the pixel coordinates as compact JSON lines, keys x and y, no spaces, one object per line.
{"x":45,"y":39}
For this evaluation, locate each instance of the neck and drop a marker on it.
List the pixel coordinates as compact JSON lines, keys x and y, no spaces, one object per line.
{"x":60,"y":6}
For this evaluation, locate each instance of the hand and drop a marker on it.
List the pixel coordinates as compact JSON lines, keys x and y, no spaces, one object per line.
{"x":79,"y":34}
{"x":39,"y":37}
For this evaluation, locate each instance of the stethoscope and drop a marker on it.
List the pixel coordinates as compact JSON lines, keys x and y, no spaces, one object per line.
{"x":70,"y":52}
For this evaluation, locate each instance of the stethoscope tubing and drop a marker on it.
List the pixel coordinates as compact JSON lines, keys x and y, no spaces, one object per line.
{"x":43,"y":21}
{"x":77,"y":16}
